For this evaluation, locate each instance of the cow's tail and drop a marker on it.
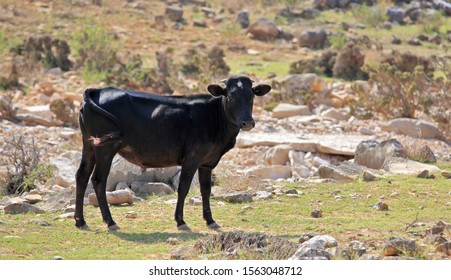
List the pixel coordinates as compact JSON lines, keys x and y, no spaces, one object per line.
{"x":90,"y":105}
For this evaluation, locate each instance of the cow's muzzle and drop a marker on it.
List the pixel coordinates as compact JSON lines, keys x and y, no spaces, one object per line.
{"x":247,"y":125}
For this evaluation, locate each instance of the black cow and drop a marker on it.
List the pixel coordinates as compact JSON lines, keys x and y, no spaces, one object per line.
{"x":161,"y":131}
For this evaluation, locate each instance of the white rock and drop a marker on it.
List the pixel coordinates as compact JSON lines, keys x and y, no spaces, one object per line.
{"x":277,"y":155}
{"x":335,"y":114}
{"x":413,"y":127}
{"x":315,"y":247}
{"x":271,"y":172}
{"x":151,"y":188}
{"x":296,"y":158}
{"x":285,"y":110}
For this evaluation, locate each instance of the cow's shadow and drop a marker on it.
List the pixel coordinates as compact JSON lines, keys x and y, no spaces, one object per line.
{"x":155,"y":237}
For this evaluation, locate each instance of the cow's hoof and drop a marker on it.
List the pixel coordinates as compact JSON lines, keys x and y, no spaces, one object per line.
{"x":84,"y":227}
{"x":113,"y":227}
{"x":184,"y":227}
{"x":214,"y":226}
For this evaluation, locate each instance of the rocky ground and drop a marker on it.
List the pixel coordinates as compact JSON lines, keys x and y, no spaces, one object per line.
{"x":292,"y":142}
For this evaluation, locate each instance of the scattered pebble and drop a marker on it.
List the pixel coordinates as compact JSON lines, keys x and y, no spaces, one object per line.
{"x":381,"y":206}
{"x":316,"y":213}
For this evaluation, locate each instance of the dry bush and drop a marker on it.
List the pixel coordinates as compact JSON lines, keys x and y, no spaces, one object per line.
{"x":348,"y":63}
{"x":394,"y":93}
{"x":20,"y":157}
{"x":7,"y":109}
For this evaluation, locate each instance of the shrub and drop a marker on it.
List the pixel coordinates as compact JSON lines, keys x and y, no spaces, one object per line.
{"x":338,"y":40}
{"x":394,"y":93}
{"x":7,"y":109}
{"x":95,"y":50}
{"x":21,"y":156}
{"x":370,"y":15}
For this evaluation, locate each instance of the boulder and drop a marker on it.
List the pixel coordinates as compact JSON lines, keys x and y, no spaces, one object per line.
{"x":397,"y":165}
{"x":284,"y":110}
{"x":175,"y":13}
{"x":65,"y":167}
{"x":21,"y":208}
{"x":273,"y":172}
{"x":294,"y":83}
{"x":235,"y":197}
{"x":263,"y":29}
{"x":116,"y":197}
{"x":315,"y":247}
{"x":398,"y":246}
{"x":414,"y":128}
{"x":278,"y":155}
{"x":335,"y":114}
{"x":151,"y":188}
{"x":395,"y":14}
{"x":313,"y":39}
{"x":124,"y":171}
{"x":373,"y":154}
{"x":315,"y":143}
{"x":341,"y":173}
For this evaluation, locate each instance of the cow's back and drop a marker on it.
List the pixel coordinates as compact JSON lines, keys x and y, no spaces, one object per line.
{"x":156,"y":129}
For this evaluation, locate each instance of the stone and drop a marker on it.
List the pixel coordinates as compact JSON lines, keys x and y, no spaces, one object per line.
{"x":293,"y":83}
{"x":380,"y":206}
{"x":195,"y":200}
{"x":368,"y":176}
{"x":277,"y":155}
{"x":414,"y":128}
{"x":397,"y":246}
{"x":175,"y":13}
{"x":395,"y":14}
{"x":373,"y":154}
{"x":446,"y":174}
{"x":370,"y":257}
{"x":263,"y":195}
{"x":116,"y":197}
{"x":395,"y":40}
{"x":434,"y":239}
{"x":65,"y":167}
{"x":315,"y":247}
{"x":397,"y":165}
{"x":33,"y":198}
{"x":357,"y":248}
{"x":316,"y":213}
{"x":314,"y":39}
{"x":445,"y":248}
{"x":263,"y":29}
{"x":427,"y":155}
{"x":335,"y":114}
{"x":173,"y":240}
{"x":242,"y":18}
{"x":235,"y":197}
{"x":315,"y":143}
{"x":273,"y":172}
{"x":22,"y":208}
{"x":344,"y":172}
{"x":285,"y":110}
{"x":151,"y":188}
{"x":199,"y":23}
{"x":296,"y":158}
{"x":39,"y":222}
{"x":131,"y":215}
{"x":300,"y":172}
{"x":57,"y":258}
{"x":124,"y":171}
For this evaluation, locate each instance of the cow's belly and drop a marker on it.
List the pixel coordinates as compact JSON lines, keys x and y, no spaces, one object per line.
{"x":151,"y":158}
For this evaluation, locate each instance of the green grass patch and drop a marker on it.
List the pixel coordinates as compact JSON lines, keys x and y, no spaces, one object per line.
{"x":347,"y":214}
{"x":258,"y":66}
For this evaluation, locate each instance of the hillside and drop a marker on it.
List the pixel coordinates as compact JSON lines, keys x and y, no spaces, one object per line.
{"x":358,"y":116}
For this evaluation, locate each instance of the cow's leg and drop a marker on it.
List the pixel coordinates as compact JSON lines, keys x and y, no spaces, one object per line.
{"x":186,"y":177}
{"x":104,"y":156}
{"x":205,"y":190}
{"x":82,"y":178}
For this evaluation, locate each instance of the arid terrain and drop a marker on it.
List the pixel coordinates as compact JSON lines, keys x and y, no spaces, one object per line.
{"x":352,"y":145}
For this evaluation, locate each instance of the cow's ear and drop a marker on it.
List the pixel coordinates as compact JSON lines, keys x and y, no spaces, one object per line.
{"x":261,"y":90}
{"x":216,"y":90}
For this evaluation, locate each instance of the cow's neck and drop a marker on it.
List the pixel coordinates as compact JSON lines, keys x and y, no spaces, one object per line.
{"x":226,"y":128}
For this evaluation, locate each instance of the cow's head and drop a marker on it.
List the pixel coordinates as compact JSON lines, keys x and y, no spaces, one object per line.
{"x":239,"y":99}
